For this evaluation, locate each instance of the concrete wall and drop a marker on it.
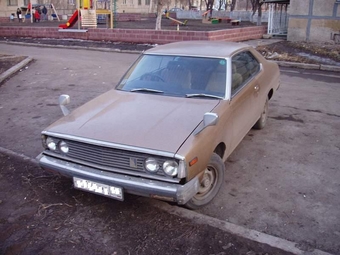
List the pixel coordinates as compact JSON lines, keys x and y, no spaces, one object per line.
{"x":136,"y":35}
{"x":313,"y":20}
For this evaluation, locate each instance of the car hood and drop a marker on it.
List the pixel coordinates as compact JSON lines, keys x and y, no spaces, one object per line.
{"x":141,"y":120}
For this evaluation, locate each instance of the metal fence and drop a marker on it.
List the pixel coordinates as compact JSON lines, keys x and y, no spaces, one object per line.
{"x":278,"y":19}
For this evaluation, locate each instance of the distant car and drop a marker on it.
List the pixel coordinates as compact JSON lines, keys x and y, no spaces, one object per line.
{"x":167,"y":128}
{"x":175,"y":10}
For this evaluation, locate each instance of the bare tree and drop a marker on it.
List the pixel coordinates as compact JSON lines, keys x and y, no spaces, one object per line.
{"x":257,"y":6}
{"x":221,"y":3}
{"x":182,"y":3}
{"x":231,"y":3}
{"x":190,"y":4}
{"x":160,"y":4}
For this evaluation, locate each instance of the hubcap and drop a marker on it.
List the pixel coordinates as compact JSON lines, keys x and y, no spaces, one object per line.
{"x":207,"y":182}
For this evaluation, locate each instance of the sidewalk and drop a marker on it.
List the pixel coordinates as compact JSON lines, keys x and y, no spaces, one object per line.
{"x":139,"y":48}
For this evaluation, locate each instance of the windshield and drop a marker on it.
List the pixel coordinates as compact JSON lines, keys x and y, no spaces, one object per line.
{"x":192,"y":77}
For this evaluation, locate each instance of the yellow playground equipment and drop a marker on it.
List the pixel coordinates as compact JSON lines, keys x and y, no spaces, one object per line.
{"x":87,"y":11}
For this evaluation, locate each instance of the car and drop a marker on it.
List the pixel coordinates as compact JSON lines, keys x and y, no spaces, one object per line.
{"x":168,"y":126}
{"x":172,"y":10}
{"x":175,"y":9}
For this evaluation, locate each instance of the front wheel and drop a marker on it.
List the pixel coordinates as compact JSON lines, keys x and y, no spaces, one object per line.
{"x":261,"y":122}
{"x":211,"y":183}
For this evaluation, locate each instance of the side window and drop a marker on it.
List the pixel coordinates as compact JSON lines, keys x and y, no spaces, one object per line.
{"x":244,"y":66}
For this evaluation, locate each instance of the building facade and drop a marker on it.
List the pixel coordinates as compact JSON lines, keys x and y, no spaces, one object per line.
{"x":314,"y":20}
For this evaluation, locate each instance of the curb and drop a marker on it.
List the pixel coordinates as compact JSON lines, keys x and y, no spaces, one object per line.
{"x":72,"y":47}
{"x":253,"y":235}
{"x":19,"y":156}
{"x":15,"y":69}
{"x":322,"y":67}
{"x":233,"y":229}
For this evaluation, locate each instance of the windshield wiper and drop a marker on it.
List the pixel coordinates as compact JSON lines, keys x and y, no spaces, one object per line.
{"x":203,"y":95}
{"x":148,"y":90}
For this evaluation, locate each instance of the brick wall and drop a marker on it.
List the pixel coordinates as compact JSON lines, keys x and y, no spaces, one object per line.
{"x":128,"y":16}
{"x":136,"y":35}
{"x":6,"y":19}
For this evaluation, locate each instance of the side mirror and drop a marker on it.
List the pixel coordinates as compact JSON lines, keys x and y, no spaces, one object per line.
{"x":63,"y":101}
{"x":209,"y":119}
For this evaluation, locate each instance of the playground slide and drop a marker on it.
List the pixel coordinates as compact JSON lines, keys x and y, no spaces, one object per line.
{"x":71,"y":21}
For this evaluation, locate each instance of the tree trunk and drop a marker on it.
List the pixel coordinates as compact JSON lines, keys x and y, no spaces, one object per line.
{"x":159,"y":15}
{"x":233,"y":5}
{"x":259,"y":16}
{"x":150,"y":6}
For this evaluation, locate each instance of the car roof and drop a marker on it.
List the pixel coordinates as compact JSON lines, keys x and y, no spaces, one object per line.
{"x":220,"y":49}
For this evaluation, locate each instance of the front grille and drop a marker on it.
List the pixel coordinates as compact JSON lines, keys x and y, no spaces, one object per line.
{"x":110,"y":157}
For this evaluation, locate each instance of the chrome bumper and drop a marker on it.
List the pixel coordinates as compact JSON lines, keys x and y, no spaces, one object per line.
{"x":130,"y":184}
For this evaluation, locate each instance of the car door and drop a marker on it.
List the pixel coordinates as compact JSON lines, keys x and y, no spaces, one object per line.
{"x":245,"y":98}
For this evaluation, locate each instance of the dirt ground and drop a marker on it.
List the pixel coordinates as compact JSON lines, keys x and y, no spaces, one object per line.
{"x":302,"y":52}
{"x":42,"y":214}
{"x":7,"y":61}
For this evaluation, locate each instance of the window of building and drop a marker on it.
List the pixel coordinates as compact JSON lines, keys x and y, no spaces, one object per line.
{"x":124,"y":1}
{"x":71,"y":2}
{"x":26,"y":2}
{"x":12,"y":2}
{"x":139,"y":2}
{"x":147,"y":2}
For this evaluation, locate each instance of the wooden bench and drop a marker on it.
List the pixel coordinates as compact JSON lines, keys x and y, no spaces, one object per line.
{"x":235,"y":22}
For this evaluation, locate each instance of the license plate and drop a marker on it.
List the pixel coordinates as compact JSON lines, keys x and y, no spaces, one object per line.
{"x":99,"y":188}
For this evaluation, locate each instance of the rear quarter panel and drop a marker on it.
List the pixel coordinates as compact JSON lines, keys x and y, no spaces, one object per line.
{"x":269,"y":76}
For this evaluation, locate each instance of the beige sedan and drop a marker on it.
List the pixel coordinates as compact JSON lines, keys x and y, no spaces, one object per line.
{"x":168,"y":126}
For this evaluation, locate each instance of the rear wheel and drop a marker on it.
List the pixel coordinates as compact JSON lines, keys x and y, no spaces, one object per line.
{"x":210,"y":184}
{"x":261,"y":122}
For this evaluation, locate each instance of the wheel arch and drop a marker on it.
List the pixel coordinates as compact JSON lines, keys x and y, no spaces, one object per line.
{"x":270,"y":94}
{"x":220,"y":149}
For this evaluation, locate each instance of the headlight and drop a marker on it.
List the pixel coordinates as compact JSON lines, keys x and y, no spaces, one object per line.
{"x":63,"y":147}
{"x":51,"y":144}
{"x":170,"y":167}
{"x":151,"y":165}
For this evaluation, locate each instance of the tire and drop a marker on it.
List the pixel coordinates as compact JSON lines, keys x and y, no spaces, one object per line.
{"x":261,"y":122}
{"x":210,"y":185}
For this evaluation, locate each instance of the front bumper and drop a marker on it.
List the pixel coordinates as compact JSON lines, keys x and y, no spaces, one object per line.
{"x":130,"y":184}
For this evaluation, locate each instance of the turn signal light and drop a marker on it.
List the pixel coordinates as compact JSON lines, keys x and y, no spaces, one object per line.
{"x":193,"y":161}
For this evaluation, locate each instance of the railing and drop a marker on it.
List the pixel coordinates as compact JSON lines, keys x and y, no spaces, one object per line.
{"x":278,"y":19}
